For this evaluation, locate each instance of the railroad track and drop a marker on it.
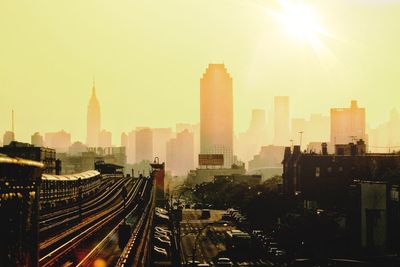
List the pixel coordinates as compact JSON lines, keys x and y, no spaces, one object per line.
{"x":72,"y":215}
{"x":61,"y":245}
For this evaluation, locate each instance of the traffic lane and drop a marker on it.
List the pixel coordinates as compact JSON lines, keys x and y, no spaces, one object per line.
{"x":207,"y":249}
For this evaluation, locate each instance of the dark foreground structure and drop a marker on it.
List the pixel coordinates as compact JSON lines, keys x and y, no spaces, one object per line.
{"x":19,"y":190}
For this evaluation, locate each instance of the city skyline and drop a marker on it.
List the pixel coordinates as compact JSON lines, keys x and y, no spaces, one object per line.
{"x":264,"y":62}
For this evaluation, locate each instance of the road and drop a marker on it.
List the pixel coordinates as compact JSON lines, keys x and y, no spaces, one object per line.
{"x":211,"y":241}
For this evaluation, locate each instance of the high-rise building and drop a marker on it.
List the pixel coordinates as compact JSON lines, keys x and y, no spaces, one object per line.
{"x":249,"y":143}
{"x":105,"y":138}
{"x":180,"y":159}
{"x":37,"y":139}
{"x":216,"y":113}
{"x":124,"y":140}
{"x":58,"y":140}
{"x":143,"y":144}
{"x":160,"y":139}
{"x":281,"y":120}
{"x":347,"y":124}
{"x":131,"y":148}
{"x":93,"y":120}
{"x":195,"y":129}
{"x":8,"y":137}
{"x":316,"y":129}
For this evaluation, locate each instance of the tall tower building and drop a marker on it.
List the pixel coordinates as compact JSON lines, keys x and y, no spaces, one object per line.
{"x":281,"y":120}
{"x":93,"y":120}
{"x":347,"y":124}
{"x":216,"y":113}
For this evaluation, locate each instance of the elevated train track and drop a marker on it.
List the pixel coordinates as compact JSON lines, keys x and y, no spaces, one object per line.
{"x":56,"y":249}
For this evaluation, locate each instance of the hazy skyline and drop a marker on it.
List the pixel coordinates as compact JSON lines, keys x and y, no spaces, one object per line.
{"x":148,"y":60}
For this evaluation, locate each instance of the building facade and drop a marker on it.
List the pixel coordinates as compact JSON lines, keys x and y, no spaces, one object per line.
{"x":281,"y":120}
{"x":216,"y":113}
{"x":347,"y":124}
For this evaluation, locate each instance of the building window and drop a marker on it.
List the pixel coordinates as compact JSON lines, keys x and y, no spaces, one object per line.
{"x":340,"y":168}
{"x":317,"y":172}
{"x":329,"y":169}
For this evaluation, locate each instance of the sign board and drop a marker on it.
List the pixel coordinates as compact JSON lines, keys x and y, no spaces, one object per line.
{"x":211,"y":159}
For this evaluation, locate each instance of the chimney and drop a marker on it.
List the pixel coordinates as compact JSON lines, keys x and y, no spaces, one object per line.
{"x":324,"y":149}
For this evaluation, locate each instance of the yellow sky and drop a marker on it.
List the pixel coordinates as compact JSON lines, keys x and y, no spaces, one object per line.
{"x":148,"y":57}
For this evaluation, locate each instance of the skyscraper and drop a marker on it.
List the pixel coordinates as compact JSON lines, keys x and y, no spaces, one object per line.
{"x":105,"y":138}
{"x":347,"y":124}
{"x":143,"y":144}
{"x":93,"y":120}
{"x":160,"y":139}
{"x":281,"y":120}
{"x":216,"y":113}
{"x":180,"y":158}
{"x":249,"y":143}
{"x":58,"y":140}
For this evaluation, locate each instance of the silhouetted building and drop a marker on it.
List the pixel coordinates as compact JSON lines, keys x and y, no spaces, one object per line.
{"x":347,"y":124}
{"x":216,"y":113}
{"x":45,"y":155}
{"x":269,"y":156}
{"x":386,"y":136}
{"x":60,"y":141}
{"x":201,"y":175}
{"x":143,"y":144}
{"x":124,"y":140}
{"x":19,"y":209}
{"x":84,"y":161}
{"x":105,"y":139}
{"x":195,"y":129}
{"x":281,"y":120}
{"x":8,"y":137}
{"x":93,"y":120}
{"x":250,"y":142}
{"x":131,"y":149}
{"x":37,"y":139}
{"x":322,"y":178}
{"x":315,"y":129}
{"x":160,"y":139}
{"x":180,"y":153}
{"x":77,"y":148}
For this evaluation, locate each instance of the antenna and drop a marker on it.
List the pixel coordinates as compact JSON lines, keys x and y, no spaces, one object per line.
{"x":12,"y":121}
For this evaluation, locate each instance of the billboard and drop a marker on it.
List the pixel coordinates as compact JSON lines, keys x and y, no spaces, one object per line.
{"x":211,"y":159}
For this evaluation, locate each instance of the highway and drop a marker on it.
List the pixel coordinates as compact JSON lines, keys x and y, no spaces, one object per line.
{"x":210,"y":243}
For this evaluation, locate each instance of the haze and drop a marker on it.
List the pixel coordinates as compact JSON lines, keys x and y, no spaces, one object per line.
{"x":148,"y":57}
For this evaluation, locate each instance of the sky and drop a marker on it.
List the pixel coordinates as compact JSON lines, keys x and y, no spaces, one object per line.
{"x":147,"y":58}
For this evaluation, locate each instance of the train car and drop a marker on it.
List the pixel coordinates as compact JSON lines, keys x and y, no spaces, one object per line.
{"x":60,"y":190}
{"x":19,"y":201}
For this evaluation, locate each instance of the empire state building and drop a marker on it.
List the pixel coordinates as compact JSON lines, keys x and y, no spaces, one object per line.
{"x":93,"y":120}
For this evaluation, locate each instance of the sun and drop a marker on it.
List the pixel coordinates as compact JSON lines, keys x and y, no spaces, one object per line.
{"x":300,"y":21}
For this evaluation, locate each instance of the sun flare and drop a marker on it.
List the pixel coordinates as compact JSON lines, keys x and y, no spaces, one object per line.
{"x":300,"y":21}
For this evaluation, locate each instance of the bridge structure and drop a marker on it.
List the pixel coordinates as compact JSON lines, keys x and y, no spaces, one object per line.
{"x":83,"y":219}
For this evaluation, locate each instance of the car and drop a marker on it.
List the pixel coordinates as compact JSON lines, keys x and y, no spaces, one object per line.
{"x":224,"y":262}
{"x":280,"y":253}
{"x":203,"y":265}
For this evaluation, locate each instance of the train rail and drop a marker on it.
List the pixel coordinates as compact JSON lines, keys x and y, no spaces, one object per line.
{"x":70,"y":215}
{"x":62,"y":244}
